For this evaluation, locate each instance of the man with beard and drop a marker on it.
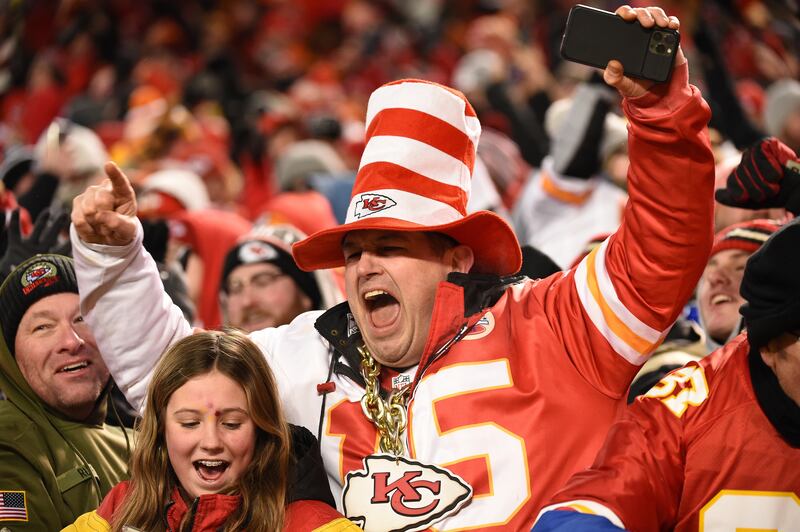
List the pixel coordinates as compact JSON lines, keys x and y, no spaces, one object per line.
{"x":262,"y":287}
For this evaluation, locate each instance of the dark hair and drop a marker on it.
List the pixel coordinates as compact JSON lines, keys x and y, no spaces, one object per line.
{"x":441,"y":242}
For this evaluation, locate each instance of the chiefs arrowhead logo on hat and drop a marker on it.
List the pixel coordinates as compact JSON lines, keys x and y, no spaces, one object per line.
{"x":415,"y":175}
{"x":368,"y":204}
{"x":256,"y":251}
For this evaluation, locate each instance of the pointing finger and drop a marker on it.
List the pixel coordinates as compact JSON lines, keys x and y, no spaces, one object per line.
{"x":120,"y":184}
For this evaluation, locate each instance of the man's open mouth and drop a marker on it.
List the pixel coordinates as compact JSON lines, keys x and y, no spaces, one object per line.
{"x":382,"y":307}
{"x":210,"y":470}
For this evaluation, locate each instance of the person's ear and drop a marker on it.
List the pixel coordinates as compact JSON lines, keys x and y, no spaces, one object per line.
{"x":768,"y":356}
{"x":462,"y":258}
{"x":769,"y":352}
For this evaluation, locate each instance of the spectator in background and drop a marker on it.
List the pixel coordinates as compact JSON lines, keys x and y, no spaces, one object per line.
{"x":15,"y":171}
{"x":568,"y":201}
{"x":303,"y":159}
{"x":69,"y":158}
{"x":718,"y":298}
{"x":308,"y":174}
{"x":57,"y":457}
{"x":263,"y":287}
{"x":62,"y":163}
{"x":782,"y":112}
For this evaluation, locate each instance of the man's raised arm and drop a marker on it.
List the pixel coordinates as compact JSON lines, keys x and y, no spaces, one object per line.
{"x":122,"y":298}
{"x":634,"y":285}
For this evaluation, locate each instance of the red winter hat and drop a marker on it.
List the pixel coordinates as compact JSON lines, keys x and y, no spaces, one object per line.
{"x":747,"y":236}
{"x":415,"y":175}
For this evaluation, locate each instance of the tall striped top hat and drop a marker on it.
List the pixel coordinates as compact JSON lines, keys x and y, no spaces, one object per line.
{"x":415,"y":175}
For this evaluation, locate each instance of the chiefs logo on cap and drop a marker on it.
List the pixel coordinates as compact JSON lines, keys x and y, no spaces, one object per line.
{"x":371,"y":203}
{"x":40,"y":273}
{"x":257,"y":251}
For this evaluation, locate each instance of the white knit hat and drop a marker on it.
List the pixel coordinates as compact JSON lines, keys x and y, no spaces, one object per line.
{"x":782,"y":98}
{"x":87,"y":153}
{"x":183,"y":185}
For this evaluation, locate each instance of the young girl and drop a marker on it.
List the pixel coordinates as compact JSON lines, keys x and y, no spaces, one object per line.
{"x":214,"y":453}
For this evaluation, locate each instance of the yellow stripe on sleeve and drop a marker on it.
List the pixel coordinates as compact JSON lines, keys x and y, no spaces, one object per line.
{"x":627,"y":335}
{"x":616,"y":325}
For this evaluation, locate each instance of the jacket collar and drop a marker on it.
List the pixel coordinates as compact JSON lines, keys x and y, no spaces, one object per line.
{"x":209,"y":512}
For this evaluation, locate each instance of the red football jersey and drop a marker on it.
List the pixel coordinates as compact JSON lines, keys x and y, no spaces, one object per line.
{"x":695,"y":453}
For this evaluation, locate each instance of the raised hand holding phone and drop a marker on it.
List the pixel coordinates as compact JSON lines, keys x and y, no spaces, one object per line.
{"x":577,"y":46}
{"x":648,"y":17}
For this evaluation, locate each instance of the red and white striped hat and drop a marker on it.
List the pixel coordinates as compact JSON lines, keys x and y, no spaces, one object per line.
{"x":415,"y":175}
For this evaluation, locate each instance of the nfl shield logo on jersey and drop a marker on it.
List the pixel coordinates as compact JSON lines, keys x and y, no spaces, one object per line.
{"x":396,"y":493}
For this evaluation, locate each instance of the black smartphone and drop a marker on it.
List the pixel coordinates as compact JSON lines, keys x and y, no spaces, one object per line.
{"x":594,"y":37}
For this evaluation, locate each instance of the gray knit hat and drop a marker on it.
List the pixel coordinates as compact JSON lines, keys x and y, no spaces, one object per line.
{"x":36,"y":278}
{"x":305,"y":158}
{"x":781,"y":99}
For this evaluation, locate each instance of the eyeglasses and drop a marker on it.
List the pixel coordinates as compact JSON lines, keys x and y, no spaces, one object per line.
{"x":259,"y":280}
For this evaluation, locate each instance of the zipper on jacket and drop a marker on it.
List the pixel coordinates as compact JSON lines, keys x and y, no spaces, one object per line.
{"x":193,"y":513}
{"x":166,"y":516}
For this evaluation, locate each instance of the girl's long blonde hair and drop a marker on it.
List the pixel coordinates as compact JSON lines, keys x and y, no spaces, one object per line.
{"x":263,"y":484}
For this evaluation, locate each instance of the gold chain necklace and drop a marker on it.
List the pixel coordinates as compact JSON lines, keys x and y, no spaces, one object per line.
{"x":388,"y":416}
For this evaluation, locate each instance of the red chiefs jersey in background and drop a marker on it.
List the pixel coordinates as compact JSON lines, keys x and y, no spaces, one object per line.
{"x":695,"y":453}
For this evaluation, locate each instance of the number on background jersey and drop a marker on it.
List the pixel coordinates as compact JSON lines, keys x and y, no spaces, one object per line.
{"x":681,"y":389}
{"x":737,"y":510}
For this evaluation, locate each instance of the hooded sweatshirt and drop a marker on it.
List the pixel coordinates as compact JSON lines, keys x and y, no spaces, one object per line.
{"x":51,"y":469}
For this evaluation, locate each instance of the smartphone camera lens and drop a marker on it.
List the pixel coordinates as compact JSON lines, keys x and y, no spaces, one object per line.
{"x":661,"y":49}
{"x":669,"y":39}
{"x":657,"y":36}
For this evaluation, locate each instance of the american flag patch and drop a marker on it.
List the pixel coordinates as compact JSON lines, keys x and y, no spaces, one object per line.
{"x":13,"y":506}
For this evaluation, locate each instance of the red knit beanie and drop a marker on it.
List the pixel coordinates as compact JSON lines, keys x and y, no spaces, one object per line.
{"x":747,"y":236}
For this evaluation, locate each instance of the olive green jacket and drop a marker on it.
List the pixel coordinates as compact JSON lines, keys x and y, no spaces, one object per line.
{"x":63,"y":468}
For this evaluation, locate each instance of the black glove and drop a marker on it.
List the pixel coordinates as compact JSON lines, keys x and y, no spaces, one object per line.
{"x":768,"y":176}
{"x":43,"y":239}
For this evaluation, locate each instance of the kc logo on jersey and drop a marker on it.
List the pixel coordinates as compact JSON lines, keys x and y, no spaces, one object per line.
{"x":401,"y":494}
{"x":368,"y":204}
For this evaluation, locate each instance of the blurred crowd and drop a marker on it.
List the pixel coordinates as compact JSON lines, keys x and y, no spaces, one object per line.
{"x":245,"y":113}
